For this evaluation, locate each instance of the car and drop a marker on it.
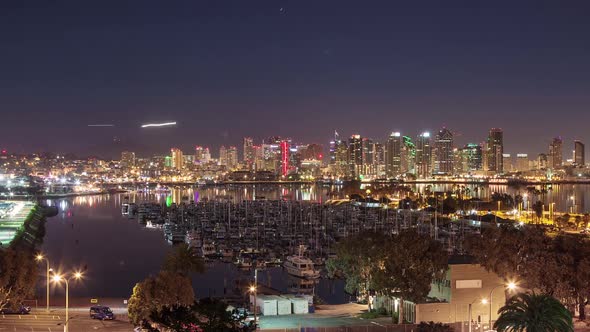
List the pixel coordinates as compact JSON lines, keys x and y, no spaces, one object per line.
{"x":101,"y":312}
{"x":21,"y":310}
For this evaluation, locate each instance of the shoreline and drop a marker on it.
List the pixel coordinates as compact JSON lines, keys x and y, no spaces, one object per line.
{"x":479,"y":182}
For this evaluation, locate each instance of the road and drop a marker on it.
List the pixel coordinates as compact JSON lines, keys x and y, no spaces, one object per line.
{"x":80,"y":321}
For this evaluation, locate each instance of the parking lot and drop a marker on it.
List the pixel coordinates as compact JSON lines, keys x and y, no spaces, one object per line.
{"x":50,"y":322}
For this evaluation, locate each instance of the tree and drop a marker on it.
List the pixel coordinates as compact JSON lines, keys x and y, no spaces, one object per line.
{"x":558,"y":266}
{"x":175,"y":318}
{"x":538,"y":208}
{"x":214,"y":316}
{"x":183,"y":260}
{"x":18,"y":275}
{"x":154,"y":293}
{"x":573,"y":253}
{"x":434,"y":327}
{"x":532,"y":312}
{"x":356,"y":261}
{"x":410,"y":263}
{"x":206,"y":315}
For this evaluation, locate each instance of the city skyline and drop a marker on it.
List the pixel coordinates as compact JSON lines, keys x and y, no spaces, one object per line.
{"x":226,"y":71}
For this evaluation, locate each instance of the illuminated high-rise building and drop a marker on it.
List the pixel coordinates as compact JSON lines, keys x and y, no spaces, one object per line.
{"x":507,"y":162}
{"x":206,"y":156}
{"x":333,"y":147}
{"x":393,"y":155}
{"x":127,"y":159}
{"x":542,"y":161}
{"x":311,"y":152}
{"x":423,"y":156}
{"x":470,"y":159}
{"x":408,"y":156}
{"x":199,"y":154}
{"x":249,"y":152}
{"x":355,"y":156}
{"x":222,"y":161}
{"x":579,"y":154}
{"x":340,"y":167}
{"x":232,"y":157}
{"x":495,"y":151}
{"x":176,"y":158}
{"x":556,"y":153}
{"x":443,"y":152}
{"x":522,"y":162}
{"x":285,"y":157}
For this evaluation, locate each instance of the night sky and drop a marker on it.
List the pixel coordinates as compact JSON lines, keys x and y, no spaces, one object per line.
{"x":301,"y":69}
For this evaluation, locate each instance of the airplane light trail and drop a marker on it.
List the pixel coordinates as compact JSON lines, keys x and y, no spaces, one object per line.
{"x":165,"y":124}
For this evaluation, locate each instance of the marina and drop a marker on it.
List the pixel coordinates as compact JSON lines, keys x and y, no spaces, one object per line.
{"x":238,"y":229}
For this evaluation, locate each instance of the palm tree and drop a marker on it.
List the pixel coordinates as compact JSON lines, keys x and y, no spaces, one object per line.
{"x":534,"y":313}
{"x":183,"y":260}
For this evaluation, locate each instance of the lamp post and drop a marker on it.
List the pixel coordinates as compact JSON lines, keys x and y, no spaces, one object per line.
{"x":483,"y":301}
{"x":57,"y":278}
{"x":254,"y":290}
{"x":510,"y":286}
{"x":40,"y":258}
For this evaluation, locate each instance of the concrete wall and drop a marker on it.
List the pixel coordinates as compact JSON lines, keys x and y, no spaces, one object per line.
{"x":457,"y":310}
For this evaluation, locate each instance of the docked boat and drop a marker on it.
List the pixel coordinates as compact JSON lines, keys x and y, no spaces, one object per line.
{"x":208,"y":249}
{"x":301,"y":266}
{"x":193,"y":239}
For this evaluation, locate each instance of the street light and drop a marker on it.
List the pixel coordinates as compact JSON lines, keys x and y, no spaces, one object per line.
{"x":510,"y":286}
{"x":483,"y":301}
{"x":40,"y":258}
{"x":57,"y":279}
{"x":254,"y":290}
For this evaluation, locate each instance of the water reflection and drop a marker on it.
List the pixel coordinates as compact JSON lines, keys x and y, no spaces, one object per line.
{"x":118,"y":252}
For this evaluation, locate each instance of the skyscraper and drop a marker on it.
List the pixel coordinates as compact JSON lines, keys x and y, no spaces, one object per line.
{"x":177,"y":158}
{"x":443,"y":155}
{"x":542,"y":161}
{"x":333,"y":147}
{"x":340,"y":167}
{"x":222,"y":156}
{"x":127,"y":159}
{"x":556,"y":153}
{"x":249,"y":152}
{"x":423,"y":156}
{"x":355,"y":156}
{"x":408,"y":156}
{"x":495,"y":151}
{"x":579,"y":154}
{"x":522,"y":162}
{"x":393,"y":155}
{"x":471,"y":158}
{"x":199,"y":154}
{"x":232,"y":157}
{"x":285,"y":157}
{"x":507,"y":164}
